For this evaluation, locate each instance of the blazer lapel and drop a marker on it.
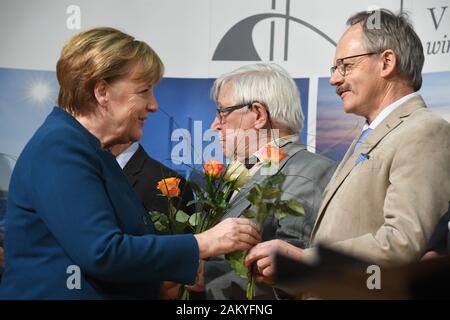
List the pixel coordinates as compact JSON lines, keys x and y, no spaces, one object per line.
{"x":391,"y":122}
{"x":347,"y":155}
{"x":134,"y":165}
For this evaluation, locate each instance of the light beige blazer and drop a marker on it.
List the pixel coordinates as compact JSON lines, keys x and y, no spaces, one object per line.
{"x":385,"y":209}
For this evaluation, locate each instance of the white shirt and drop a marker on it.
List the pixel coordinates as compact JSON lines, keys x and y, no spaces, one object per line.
{"x":126,"y":155}
{"x":388,"y":110}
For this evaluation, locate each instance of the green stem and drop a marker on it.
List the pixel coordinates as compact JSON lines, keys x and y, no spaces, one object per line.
{"x":172,"y":217}
{"x":250,"y":294}
{"x":183,"y":293}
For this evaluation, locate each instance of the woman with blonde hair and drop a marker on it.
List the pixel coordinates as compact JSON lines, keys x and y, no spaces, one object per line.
{"x":75,"y":229}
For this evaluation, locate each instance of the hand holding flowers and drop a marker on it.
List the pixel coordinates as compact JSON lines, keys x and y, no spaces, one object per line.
{"x":212,"y":200}
{"x":265,"y":198}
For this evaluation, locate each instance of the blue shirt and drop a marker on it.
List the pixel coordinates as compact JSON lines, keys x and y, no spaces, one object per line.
{"x":70,"y":204}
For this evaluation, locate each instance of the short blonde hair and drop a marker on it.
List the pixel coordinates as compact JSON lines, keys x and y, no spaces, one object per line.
{"x":101,"y":54}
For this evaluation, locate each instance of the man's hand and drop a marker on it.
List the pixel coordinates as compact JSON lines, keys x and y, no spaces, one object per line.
{"x":263,"y":256}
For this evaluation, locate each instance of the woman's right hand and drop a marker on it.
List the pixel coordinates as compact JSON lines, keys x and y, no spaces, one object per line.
{"x":230,"y":235}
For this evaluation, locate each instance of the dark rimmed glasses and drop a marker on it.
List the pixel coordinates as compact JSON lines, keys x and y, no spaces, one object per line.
{"x":342,"y":67}
{"x":227,"y":110}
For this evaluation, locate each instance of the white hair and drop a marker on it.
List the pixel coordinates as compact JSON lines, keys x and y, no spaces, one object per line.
{"x":269,"y":84}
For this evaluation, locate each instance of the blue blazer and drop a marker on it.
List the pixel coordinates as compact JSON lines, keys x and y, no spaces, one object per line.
{"x":70,"y":205}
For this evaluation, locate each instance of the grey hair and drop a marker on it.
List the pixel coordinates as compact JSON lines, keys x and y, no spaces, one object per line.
{"x":269,"y":84}
{"x":394,"y":32}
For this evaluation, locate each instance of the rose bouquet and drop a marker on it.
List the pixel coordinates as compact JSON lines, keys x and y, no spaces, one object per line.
{"x":265,"y":197}
{"x":211,"y":201}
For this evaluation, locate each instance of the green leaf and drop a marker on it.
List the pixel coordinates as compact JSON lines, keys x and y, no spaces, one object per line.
{"x":271,"y":193}
{"x":160,"y":227}
{"x":254,"y":195}
{"x":158,"y":216}
{"x":211,"y":203}
{"x":181,"y":216}
{"x":160,"y":221}
{"x":164,"y":220}
{"x":195,"y":219}
{"x":154,"y":215}
{"x":236,"y":260}
{"x":249,"y":214}
{"x":190,"y":203}
{"x":279,"y":213}
{"x":277,"y":179}
{"x":180,"y":228}
{"x":296,"y":208}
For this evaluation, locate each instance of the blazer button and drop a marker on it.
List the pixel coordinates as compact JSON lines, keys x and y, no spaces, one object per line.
{"x":146,"y":219}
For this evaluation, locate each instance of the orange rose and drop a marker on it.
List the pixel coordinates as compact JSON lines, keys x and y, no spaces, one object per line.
{"x":272,"y":154}
{"x":213,"y":168}
{"x":169,"y":187}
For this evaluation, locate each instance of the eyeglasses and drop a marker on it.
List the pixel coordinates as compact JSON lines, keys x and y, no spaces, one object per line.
{"x":342,"y":67}
{"x":227,"y":110}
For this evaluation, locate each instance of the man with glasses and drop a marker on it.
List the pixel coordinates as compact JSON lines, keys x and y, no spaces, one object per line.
{"x":392,"y":185}
{"x":259,"y":105}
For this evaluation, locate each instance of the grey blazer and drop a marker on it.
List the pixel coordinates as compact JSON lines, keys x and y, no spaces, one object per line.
{"x":307,"y":175}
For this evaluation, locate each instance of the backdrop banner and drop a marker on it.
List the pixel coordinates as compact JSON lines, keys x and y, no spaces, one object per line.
{"x":198,"y":41}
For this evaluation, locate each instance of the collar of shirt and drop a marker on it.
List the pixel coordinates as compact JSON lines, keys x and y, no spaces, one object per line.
{"x":126,"y":155}
{"x":387,"y":111}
